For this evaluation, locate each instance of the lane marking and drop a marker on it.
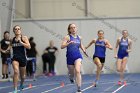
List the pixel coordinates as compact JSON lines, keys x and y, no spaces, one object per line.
{"x":52,"y":89}
{"x":118,"y":89}
{"x":94,"y":86}
{"x":87,"y":88}
{"x":55,"y":88}
{"x":107,"y":90}
{"x":36,"y":86}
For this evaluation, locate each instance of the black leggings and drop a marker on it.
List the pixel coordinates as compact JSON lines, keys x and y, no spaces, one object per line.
{"x":31,"y":67}
{"x":50,"y":61}
{"x":52,"y":64}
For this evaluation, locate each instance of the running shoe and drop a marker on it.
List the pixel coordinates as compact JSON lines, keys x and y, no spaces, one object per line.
{"x":72,"y":81}
{"x":119,"y":83}
{"x":15,"y":91}
{"x":124,"y":83}
{"x":21,"y":87}
{"x":96,"y":83}
{"x":79,"y":91}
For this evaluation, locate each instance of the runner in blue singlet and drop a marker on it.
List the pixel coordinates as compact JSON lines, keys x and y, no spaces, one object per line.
{"x":73,"y":51}
{"x":73,"y":42}
{"x":123,"y":46}
{"x":99,"y":55}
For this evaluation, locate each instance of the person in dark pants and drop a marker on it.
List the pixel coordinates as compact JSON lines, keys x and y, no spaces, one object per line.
{"x":46,"y":60}
{"x":5,"y":55}
{"x":31,"y":55}
{"x":49,"y":56}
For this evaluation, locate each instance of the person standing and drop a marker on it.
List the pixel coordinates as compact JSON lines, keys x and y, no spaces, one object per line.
{"x":5,"y":55}
{"x":73,"y":42}
{"x":31,"y":54}
{"x":100,"y":53}
{"x":122,"y":50}
{"x":50,"y":52}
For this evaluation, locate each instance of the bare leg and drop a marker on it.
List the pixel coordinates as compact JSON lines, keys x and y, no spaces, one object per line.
{"x":119,"y":68}
{"x":99,"y":67}
{"x":71,"y":72}
{"x":22,"y":76}
{"x":16,"y":74}
{"x":123,"y":66}
{"x":78,"y":73}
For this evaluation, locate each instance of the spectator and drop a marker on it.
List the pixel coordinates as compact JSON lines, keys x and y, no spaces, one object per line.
{"x":49,"y":57}
{"x":31,"y":54}
{"x":5,"y":55}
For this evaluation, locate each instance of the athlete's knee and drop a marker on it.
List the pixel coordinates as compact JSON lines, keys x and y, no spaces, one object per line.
{"x":16,"y":72}
{"x":119,"y":69}
{"x":123,"y":69}
{"x":99,"y":66}
{"x":78,"y":71}
{"x":23,"y":76}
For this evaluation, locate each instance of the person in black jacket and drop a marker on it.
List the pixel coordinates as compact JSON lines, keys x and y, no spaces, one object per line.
{"x":49,"y":57}
{"x":31,"y":55}
{"x":5,"y":55}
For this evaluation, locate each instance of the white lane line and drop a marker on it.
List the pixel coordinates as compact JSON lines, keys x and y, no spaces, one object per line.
{"x":110,"y":87}
{"x":118,"y":89}
{"x":55,"y":88}
{"x":94,"y":86}
{"x":52,"y":89}
{"x":87,"y":88}
{"x":38,"y":86}
{"x":5,"y":87}
{"x":25,"y":89}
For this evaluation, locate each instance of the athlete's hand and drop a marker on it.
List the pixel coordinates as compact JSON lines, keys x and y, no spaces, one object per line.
{"x":115,"y":56}
{"x":86,"y":47}
{"x":70,"y":42}
{"x":128,"y":50}
{"x":107,"y":46}
{"x":86,"y":54}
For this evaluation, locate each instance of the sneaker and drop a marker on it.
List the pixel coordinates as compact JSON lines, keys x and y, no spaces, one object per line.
{"x":49,"y":74}
{"x":3,"y":77}
{"x":96,"y":83}
{"x":79,"y":91}
{"x":53,"y":73}
{"x":72,"y":81}
{"x":21,"y":87}
{"x":124,"y":83}
{"x":15,"y":91}
{"x":6,"y":76}
{"x":119,"y":83}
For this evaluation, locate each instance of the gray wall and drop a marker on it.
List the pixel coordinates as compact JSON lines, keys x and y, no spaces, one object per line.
{"x":6,"y":14}
{"x":45,"y":9}
{"x":5,"y":17}
{"x":43,"y":31}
